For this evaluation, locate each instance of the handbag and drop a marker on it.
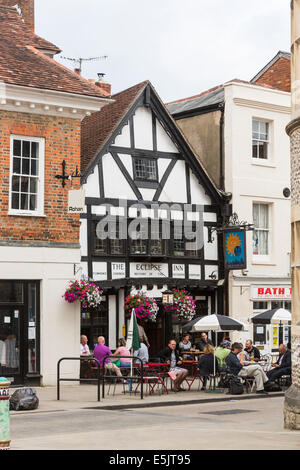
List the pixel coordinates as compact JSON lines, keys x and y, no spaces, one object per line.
{"x":235,"y":386}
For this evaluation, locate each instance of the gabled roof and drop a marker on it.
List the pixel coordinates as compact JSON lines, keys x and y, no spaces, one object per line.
{"x":207,"y":98}
{"x":13,"y":27}
{"x":100,"y":129}
{"x":279,"y":55}
{"x":23,"y":63}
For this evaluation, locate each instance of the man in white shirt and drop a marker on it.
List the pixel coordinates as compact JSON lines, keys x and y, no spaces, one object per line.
{"x":142,"y":353}
{"x":84,"y":349}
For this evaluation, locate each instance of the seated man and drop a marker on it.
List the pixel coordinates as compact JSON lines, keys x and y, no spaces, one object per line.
{"x":236,"y":368}
{"x":100,"y":352}
{"x":203,"y":341}
{"x":284,"y":364}
{"x":84,"y":349}
{"x":252,"y":351}
{"x":142,"y":354}
{"x":171,"y":356}
{"x":222,"y":352}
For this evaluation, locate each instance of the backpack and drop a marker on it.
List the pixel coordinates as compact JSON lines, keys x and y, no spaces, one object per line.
{"x":24,"y":399}
{"x":235,"y":386}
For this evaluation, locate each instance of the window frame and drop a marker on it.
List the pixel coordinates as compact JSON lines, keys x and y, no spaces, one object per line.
{"x":258,"y":159}
{"x":39,"y":212}
{"x":259,"y":256}
{"x":145,"y":159}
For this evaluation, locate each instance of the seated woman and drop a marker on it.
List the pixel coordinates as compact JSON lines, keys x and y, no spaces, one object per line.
{"x":123,"y":351}
{"x":185,"y":345}
{"x":208,"y":363}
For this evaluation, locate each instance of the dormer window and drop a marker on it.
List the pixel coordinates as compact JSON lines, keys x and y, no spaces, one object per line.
{"x":145,"y":169}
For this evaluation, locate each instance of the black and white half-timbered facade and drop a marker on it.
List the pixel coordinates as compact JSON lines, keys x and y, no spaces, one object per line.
{"x":149,"y":204}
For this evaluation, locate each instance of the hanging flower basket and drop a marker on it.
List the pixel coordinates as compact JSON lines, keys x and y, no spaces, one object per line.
{"x":184,"y":307}
{"x":86,"y":292}
{"x":145,"y":307}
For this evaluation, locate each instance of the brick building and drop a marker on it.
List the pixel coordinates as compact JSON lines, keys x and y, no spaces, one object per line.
{"x":41,"y":107}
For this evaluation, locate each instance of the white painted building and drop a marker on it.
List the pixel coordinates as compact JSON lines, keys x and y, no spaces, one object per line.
{"x":238,"y":133}
{"x":257,"y":171}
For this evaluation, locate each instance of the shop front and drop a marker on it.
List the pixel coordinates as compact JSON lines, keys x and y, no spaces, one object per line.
{"x":20,"y":331}
{"x":269,"y":297}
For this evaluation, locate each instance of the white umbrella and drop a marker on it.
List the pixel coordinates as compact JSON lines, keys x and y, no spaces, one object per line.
{"x":219,"y":323}
{"x":277,"y":315}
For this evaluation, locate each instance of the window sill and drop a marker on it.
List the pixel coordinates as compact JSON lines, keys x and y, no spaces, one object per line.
{"x":262,"y":162}
{"x":25,"y":214}
{"x":262,"y":261}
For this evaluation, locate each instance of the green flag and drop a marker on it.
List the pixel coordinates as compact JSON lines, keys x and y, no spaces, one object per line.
{"x":133,"y":340}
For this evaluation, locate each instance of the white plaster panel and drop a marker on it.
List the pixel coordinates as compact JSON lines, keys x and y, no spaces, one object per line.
{"x":162,"y":164}
{"x":194,"y":271}
{"x":83,"y":237}
{"x":209,"y":270}
{"x":164,"y":143}
{"x":121,"y":312}
{"x":99,"y":210}
{"x":197,"y":192}
{"x":209,"y":217}
{"x":123,"y":139}
{"x":210,"y":249}
{"x":112,"y":308}
{"x":99,"y":271}
{"x":127,"y":162}
{"x":92,"y":185}
{"x":115,"y":184}
{"x":147,"y":193}
{"x":143,"y":128}
{"x":84,"y":270}
{"x":175,"y":187}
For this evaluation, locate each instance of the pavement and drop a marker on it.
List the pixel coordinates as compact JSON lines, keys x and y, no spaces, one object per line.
{"x":83,"y":396}
{"x":194,"y":420}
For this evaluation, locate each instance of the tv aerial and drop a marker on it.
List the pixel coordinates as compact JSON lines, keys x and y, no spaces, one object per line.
{"x":79,"y":60}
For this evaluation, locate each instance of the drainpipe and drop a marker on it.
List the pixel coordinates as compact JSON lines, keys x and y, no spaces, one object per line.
{"x":221,"y":133}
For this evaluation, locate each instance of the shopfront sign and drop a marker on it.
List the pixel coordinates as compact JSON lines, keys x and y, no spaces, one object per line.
{"x":194,"y":271}
{"x":76,"y":201}
{"x":149,"y":270}
{"x":118,"y":270}
{"x":178,"y":271}
{"x":271,"y":292}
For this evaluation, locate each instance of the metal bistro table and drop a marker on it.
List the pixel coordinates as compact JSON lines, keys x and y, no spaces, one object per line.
{"x":154,"y":374}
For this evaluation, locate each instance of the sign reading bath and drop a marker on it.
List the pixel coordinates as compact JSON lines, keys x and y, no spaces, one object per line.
{"x":148,"y":270}
{"x":76,"y":201}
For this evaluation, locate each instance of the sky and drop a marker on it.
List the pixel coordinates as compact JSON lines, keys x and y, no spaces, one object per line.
{"x":182,"y":46}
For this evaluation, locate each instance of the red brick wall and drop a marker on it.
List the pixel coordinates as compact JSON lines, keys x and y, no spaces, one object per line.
{"x":62,"y":142}
{"x":278,"y":75}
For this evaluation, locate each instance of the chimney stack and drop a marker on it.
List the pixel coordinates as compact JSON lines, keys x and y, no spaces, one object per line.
{"x":25,"y":8}
{"x":105,"y":87}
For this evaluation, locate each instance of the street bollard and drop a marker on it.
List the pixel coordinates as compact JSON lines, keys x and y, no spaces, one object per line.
{"x":4,"y":414}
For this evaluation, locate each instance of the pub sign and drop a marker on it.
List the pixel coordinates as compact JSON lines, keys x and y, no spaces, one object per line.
{"x":235,"y":249}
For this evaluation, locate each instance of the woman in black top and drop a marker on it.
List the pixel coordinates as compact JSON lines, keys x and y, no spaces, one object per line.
{"x":208,"y":364}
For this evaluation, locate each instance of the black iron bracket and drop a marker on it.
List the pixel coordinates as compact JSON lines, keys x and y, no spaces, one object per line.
{"x":66,"y":177}
{"x":231,"y":223}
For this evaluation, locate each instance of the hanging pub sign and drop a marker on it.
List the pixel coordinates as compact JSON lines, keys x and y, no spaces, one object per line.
{"x":235,"y":249}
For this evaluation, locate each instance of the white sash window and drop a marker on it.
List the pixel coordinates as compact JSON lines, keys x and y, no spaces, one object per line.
{"x":260,"y":139}
{"x":26,"y":195}
{"x":261,"y":229}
